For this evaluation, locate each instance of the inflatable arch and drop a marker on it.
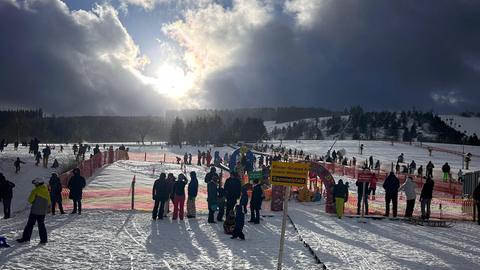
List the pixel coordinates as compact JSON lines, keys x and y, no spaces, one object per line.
{"x":316,"y":169}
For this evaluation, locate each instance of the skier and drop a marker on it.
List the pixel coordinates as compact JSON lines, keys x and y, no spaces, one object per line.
{"x":446,"y":172}
{"x":430,"y":169}
{"x":179,"y":196}
{"x":76,"y":185}
{"x":391,"y":185}
{"x":40,"y":199}
{"x":426,"y":197}
{"x":256,"y":202}
{"x":17,"y":164}
{"x":212,"y":199}
{"x":192,"y":195}
{"x":46,"y":153}
{"x":233,"y":188}
{"x":409,"y":188}
{"x":476,"y":197}
{"x":56,"y":193}
{"x":339,"y":193}
{"x":38,"y":157}
{"x":6,"y":195}
{"x":239,"y":223}
{"x":160,"y":195}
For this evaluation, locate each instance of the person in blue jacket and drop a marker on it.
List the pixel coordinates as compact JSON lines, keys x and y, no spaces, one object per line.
{"x":239,"y":223}
{"x":192,"y":195}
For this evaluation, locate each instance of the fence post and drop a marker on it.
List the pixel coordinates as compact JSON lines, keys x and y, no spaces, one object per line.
{"x":145,"y":158}
{"x":133,"y":193}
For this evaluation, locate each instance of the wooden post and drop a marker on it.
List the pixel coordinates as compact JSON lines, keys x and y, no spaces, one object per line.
{"x":133,"y":193}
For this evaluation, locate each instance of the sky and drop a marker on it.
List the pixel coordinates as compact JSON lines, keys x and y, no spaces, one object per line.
{"x":141,"y":57}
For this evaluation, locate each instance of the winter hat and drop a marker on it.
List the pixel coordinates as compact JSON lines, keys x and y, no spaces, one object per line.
{"x":37,"y":181}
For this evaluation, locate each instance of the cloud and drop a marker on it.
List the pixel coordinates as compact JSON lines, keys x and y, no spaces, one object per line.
{"x":80,"y":62}
{"x":378,"y":54}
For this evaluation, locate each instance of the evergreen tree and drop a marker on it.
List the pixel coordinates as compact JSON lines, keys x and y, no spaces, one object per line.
{"x":177,"y":132}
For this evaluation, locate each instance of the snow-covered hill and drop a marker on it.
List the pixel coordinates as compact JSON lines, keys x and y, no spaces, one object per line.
{"x":467,"y":125}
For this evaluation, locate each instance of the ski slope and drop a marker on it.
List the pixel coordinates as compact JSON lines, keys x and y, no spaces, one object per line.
{"x":467,"y":125}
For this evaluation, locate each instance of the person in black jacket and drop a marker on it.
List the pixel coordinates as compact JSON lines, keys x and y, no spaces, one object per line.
{"x":212,"y":199}
{"x":179,"y":196}
{"x":360,"y":194}
{"x":6,"y":195}
{"x":239,"y":223}
{"x":256,"y":202}
{"x":446,"y":172}
{"x":233,"y":188}
{"x":426,"y":197}
{"x":192,"y":195}
{"x":161,"y":195}
{"x":340,"y":193}
{"x":212,"y":175}
{"x":391,"y":186}
{"x":56,"y":193}
{"x":76,"y":184}
{"x":476,"y":197}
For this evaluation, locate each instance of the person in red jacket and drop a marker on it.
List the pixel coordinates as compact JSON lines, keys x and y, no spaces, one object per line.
{"x":372,"y":187}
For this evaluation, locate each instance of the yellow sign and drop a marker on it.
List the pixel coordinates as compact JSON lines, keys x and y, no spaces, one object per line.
{"x":289,"y":173}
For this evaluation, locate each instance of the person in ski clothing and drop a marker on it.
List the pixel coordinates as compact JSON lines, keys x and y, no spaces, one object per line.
{"x":221,"y":202}
{"x":75,"y":149}
{"x":372,"y":187}
{"x":161,"y":195}
{"x":199,"y":158}
{"x":46,"y":153}
{"x":256,"y":202}
{"x":370,"y":162}
{"x":6,"y":195}
{"x":170,"y":183}
{"x":192,"y":195}
{"x":476,"y":197}
{"x":179,"y":196}
{"x":340,"y":193}
{"x":189,"y":158}
{"x":410,"y":194}
{"x":55,"y":193}
{"x":430,"y":167}
{"x":96,"y":150}
{"x":233,"y":188}
{"x":38,"y":157}
{"x":239,"y":223}
{"x":391,"y":185}
{"x":76,"y":184}
{"x":212,"y":175}
{"x":412,"y":167}
{"x":401,"y":158}
{"x":55,"y":164}
{"x":17,"y":164}
{"x":360,"y":193}
{"x":39,"y":199}
{"x":460,"y":176}
{"x":212,"y":193}
{"x":208,"y":158}
{"x":244,"y":197}
{"x":420,"y":171}
{"x":426,"y":197}
{"x":446,"y":172}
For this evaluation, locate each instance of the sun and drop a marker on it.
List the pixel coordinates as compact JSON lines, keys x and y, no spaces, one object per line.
{"x":173,"y":81}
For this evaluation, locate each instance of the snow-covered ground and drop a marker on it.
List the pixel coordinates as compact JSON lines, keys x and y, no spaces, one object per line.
{"x":467,"y":125}
{"x":386,"y":152}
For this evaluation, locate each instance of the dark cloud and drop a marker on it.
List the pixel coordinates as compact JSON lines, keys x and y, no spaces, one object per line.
{"x":378,"y":54}
{"x":70,"y":62}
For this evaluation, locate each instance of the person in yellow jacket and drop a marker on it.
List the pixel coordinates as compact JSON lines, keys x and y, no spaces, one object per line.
{"x":40,"y":200}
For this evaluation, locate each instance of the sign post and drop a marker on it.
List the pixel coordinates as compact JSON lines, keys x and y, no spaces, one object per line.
{"x":364,"y":177}
{"x":287,"y":174}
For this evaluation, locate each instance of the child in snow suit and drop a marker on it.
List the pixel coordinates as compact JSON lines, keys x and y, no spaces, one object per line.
{"x":17,"y":165}
{"x":229,"y":223}
{"x":239,"y":223}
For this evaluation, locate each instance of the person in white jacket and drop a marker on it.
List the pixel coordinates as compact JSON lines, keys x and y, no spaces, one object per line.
{"x":409,"y":188}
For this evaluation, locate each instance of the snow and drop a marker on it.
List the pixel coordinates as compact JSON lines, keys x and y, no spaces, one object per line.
{"x":467,"y":125}
{"x":271,"y":125}
{"x":386,"y":152}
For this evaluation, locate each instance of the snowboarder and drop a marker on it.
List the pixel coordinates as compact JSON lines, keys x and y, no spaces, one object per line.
{"x":256,"y":202}
{"x":160,"y":195}
{"x":192,"y":195}
{"x":430,"y":169}
{"x":476,"y":197}
{"x":76,"y":185}
{"x":212,"y":199}
{"x":391,"y":185}
{"x":426,"y":197}
{"x":239,"y":223}
{"x":17,"y":164}
{"x":40,"y":199}
{"x":446,"y":172}
{"x":6,"y":195}
{"x":340,"y":194}
{"x":410,"y":194}
{"x":179,"y":196}
{"x":56,"y":193}
{"x":233,"y":188}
